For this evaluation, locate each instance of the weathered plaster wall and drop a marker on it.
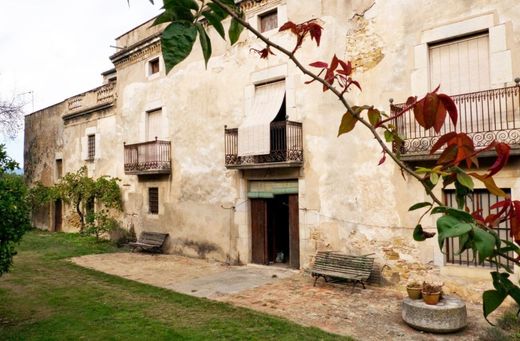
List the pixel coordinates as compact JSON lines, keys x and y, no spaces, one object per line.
{"x":347,"y":202}
{"x":43,"y":143}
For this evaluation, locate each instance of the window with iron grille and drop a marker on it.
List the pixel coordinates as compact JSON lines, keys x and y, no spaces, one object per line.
{"x":91,"y":147}
{"x":480,"y":199}
{"x":153,"y":200}
{"x":268,"y":21}
{"x":153,"y":66}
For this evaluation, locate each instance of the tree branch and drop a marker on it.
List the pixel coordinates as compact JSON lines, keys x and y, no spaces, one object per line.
{"x":338,"y":94}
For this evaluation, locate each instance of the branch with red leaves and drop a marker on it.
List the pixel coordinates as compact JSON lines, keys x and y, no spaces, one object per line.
{"x":327,"y":84}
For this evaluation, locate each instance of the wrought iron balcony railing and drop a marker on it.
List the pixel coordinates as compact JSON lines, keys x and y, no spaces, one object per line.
{"x":286,"y":148}
{"x":484,"y":115}
{"x":152,"y":157}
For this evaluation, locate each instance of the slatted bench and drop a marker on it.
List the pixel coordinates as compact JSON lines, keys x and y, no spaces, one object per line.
{"x":149,"y":241}
{"x":337,"y":265}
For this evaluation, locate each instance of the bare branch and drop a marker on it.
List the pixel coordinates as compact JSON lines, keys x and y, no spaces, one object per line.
{"x":11,"y":113}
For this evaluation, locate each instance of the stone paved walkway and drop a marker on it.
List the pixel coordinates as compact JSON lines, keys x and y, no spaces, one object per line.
{"x":370,"y":314}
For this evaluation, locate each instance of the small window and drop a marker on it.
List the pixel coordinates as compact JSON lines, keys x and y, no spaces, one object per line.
{"x":153,"y":200}
{"x":59,"y":168}
{"x":91,"y":147}
{"x":153,"y":66}
{"x":268,"y":21}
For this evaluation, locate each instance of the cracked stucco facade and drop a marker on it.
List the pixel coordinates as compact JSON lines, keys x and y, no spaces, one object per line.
{"x":346,"y":201}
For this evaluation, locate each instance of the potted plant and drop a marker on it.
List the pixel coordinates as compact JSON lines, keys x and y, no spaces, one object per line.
{"x":414,"y":288}
{"x":431,"y":292}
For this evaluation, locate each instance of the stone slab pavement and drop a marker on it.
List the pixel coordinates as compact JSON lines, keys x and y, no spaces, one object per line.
{"x":370,"y":314}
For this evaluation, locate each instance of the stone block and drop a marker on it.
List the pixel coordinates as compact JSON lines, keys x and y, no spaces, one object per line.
{"x":448,"y":316}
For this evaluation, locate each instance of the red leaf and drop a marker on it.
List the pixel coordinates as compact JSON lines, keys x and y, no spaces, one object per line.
{"x":315,"y":31}
{"x":418,"y":112}
{"x":356,"y":83}
{"x":346,"y":68}
{"x":440,"y":117}
{"x":442,"y":140}
{"x":318,"y":64}
{"x":450,"y":106}
{"x":288,"y":26}
{"x":430,"y":110}
{"x":502,"y":150}
{"x":334,"y":64}
{"x":382,"y":159}
{"x":498,"y":204}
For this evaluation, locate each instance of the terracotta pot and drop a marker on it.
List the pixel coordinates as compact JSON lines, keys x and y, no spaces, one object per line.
{"x":414,"y":293}
{"x":431,"y":298}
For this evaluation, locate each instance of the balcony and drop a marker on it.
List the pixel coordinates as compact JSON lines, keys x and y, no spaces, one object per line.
{"x":97,"y":99}
{"x":146,"y":158}
{"x":484,"y":115}
{"x":286,"y":148}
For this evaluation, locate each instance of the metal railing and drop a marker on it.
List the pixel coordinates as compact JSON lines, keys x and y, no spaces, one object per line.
{"x":484,"y":115}
{"x":286,"y":146}
{"x":152,"y":157}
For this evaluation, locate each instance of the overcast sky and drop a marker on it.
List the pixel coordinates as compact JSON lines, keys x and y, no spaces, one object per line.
{"x":58,"y":48}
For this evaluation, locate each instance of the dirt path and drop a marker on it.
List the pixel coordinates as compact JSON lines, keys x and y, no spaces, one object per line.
{"x":371,"y":314}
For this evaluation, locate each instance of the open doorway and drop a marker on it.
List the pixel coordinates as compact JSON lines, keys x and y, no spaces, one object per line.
{"x":275,"y":230}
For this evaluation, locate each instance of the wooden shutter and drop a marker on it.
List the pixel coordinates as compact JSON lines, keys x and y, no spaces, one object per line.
{"x":460,"y":66}
{"x":259,"y":231}
{"x":153,"y":124}
{"x":294,"y":232}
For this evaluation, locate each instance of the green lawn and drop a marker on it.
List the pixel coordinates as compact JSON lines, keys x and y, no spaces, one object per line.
{"x":45,"y":297}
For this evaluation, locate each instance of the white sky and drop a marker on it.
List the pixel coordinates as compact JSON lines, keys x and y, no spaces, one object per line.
{"x":58,"y":48}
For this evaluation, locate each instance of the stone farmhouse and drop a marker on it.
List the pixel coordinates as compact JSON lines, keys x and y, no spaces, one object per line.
{"x":240,"y":162}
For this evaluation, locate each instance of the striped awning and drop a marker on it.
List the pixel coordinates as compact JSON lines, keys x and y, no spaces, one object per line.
{"x":254,"y":136}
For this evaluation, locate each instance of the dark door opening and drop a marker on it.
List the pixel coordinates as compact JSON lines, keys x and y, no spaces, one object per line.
{"x":275,"y":231}
{"x":57,"y":215}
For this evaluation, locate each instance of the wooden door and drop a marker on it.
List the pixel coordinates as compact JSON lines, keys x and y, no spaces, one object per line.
{"x":294,"y":232}
{"x":259,"y":231}
{"x":57,"y":215}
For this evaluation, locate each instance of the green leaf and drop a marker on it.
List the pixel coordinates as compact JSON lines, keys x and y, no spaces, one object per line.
{"x":389,"y":136}
{"x":484,"y":243}
{"x":348,"y":122}
{"x":434,"y":178}
{"x":492,"y":299}
{"x":164,"y":17}
{"x":218,"y":11}
{"x":215,"y":22}
{"x":420,"y":235}
{"x":188,"y":4}
{"x":235,"y":29}
{"x":464,"y":243}
{"x":419,"y":205}
{"x":465,"y":180}
{"x":449,"y":226}
{"x":177,"y":42}
{"x":374,"y":116}
{"x":205,"y":43}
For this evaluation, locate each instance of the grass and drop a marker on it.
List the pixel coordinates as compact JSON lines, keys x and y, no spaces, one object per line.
{"x":46,"y":297}
{"x":507,"y":327}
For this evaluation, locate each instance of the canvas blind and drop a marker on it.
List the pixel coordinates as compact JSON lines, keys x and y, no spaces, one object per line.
{"x":254,"y":136}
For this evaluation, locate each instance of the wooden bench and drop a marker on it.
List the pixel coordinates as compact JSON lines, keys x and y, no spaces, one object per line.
{"x":150,"y":241}
{"x":334,"y":264}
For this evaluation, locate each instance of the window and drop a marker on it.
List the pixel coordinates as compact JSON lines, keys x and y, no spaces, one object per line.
{"x":59,"y":168}
{"x":91,"y":147}
{"x":460,"y":65}
{"x":268,"y":21}
{"x":480,"y":199}
{"x":153,"y":200}
{"x":153,"y":66}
